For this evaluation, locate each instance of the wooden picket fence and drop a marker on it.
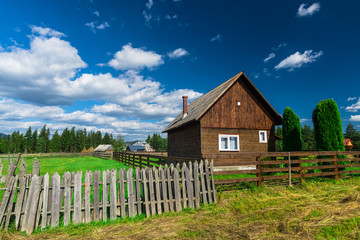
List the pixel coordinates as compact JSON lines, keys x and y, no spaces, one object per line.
{"x":41,"y":202}
{"x":103,"y":155}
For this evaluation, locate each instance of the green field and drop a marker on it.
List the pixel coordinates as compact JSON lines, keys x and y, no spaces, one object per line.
{"x":62,"y":164}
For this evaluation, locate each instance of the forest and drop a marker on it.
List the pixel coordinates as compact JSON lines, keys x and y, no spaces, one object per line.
{"x":70,"y":140}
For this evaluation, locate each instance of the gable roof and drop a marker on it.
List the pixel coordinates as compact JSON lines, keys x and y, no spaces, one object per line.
{"x":199,"y":107}
{"x":104,"y":147}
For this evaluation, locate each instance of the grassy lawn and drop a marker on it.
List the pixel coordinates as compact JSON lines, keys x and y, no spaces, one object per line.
{"x":60,"y":164}
{"x":315,"y":210}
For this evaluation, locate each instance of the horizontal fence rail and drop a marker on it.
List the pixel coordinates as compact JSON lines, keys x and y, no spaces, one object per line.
{"x":289,"y":165}
{"x":103,"y":155}
{"x":147,"y":160}
{"x":35,"y":201}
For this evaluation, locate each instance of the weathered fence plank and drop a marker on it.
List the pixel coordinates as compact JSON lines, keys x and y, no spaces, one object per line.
{"x":38,"y":212}
{"x":113,"y":194}
{"x":122,"y":192}
{"x":151,"y":191}
{"x":183,"y":183}
{"x":213,"y":190}
{"x":11,"y":201}
{"x":77,"y":198}
{"x":96,"y":195}
{"x":55,"y":200}
{"x":207,"y":178}
{"x":20,"y":200}
{"x":33,"y":199}
{"x":105,"y":193}
{"x":177,"y":191}
{"x":145,"y":193}
{"x":189,"y":186}
{"x":87,"y":189}
{"x":35,"y":168}
{"x":130,"y":188}
{"x":45,"y":202}
{"x":67,"y":201}
{"x":157,"y":190}
{"x":170,"y":188}
{"x":196,"y":184}
{"x":164,"y":190}
{"x":138,"y":193}
{"x":202,"y":180}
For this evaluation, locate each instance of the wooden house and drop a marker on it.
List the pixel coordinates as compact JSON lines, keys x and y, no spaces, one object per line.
{"x":234,"y":117}
{"x":104,"y":148}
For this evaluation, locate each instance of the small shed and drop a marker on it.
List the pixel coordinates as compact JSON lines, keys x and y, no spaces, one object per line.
{"x":140,"y":147}
{"x":104,"y":148}
{"x":234,"y":117}
{"x":348,"y":144}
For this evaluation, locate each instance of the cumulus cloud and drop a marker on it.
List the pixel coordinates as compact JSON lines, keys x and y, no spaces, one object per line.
{"x":46,"y":31}
{"x":36,"y":82}
{"x":351,"y":99}
{"x":355,"y":118}
{"x":95,"y":25}
{"x":297,"y":60}
{"x":135,"y":58}
{"x":177,"y":53}
{"x":304,"y":11}
{"x":217,"y":38}
{"x":353,"y":107}
{"x":271,"y":56}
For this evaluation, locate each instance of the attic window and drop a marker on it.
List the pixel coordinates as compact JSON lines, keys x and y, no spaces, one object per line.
{"x":263,"y":136}
{"x":228,"y":142}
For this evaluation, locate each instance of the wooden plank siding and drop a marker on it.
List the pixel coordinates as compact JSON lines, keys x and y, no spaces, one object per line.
{"x":225,"y":113}
{"x":185,"y":142}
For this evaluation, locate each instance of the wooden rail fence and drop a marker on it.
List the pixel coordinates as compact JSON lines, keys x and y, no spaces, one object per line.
{"x":103,"y":155}
{"x":147,"y":160}
{"x":295,"y":165}
{"x":42,"y":202}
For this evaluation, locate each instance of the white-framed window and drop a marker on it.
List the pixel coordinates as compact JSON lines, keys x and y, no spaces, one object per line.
{"x":263,"y":136}
{"x":228,"y":142}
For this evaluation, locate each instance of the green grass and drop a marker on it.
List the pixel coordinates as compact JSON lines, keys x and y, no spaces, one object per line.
{"x":313,"y":210}
{"x":62,"y":164}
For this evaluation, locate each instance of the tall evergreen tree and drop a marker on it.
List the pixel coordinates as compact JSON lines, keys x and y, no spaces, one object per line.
{"x":106,"y":139}
{"x":55,"y":142}
{"x":308,"y":137}
{"x":65,"y":140}
{"x":33,"y":141}
{"x":27,"y":140}
{"x":292,"y":139}
{"x":279,"y":143}
{"x":327,"y":126}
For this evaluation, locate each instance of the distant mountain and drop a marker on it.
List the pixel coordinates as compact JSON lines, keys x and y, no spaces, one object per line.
{"x":130,"y":143}
{"x":2,"y":135}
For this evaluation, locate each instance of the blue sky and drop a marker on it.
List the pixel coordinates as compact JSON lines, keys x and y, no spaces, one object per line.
{"x":122,"y":66}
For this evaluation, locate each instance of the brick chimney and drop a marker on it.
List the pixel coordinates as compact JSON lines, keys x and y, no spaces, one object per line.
{"x":185,"y":106}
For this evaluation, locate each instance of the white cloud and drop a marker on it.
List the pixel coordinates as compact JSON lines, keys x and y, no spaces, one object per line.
{"x":96,"y":13}
{"x":177,"y":53}
{"x":351,"y":99}
{"x":305,"y":120}
{"x":271,"y":56}
{"x":135,"y":58}
{"x":149,"y":4}
{"x":304,"y":11}
{"x":353,"y":107}
{"x":355,"y":118}
{"x":46,"y":31}
{"x":35,"y":82}
{"x":216,"y":38}
{"x":95,"y":25}
{"x":297,"y":59}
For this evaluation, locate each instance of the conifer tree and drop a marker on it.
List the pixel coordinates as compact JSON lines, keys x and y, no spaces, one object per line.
{"x":292,"y":139}
{"x":327,"y":126}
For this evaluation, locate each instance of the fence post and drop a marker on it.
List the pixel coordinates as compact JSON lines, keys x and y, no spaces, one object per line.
{"x":258,"y":167}
{"x":336,"y":168}
{"x":290,"y":185}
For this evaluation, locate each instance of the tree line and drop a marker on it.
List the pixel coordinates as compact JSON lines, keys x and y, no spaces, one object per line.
{"x":157,"y":142}
{"x":327,"y":134}
{"x":70,"y":140}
